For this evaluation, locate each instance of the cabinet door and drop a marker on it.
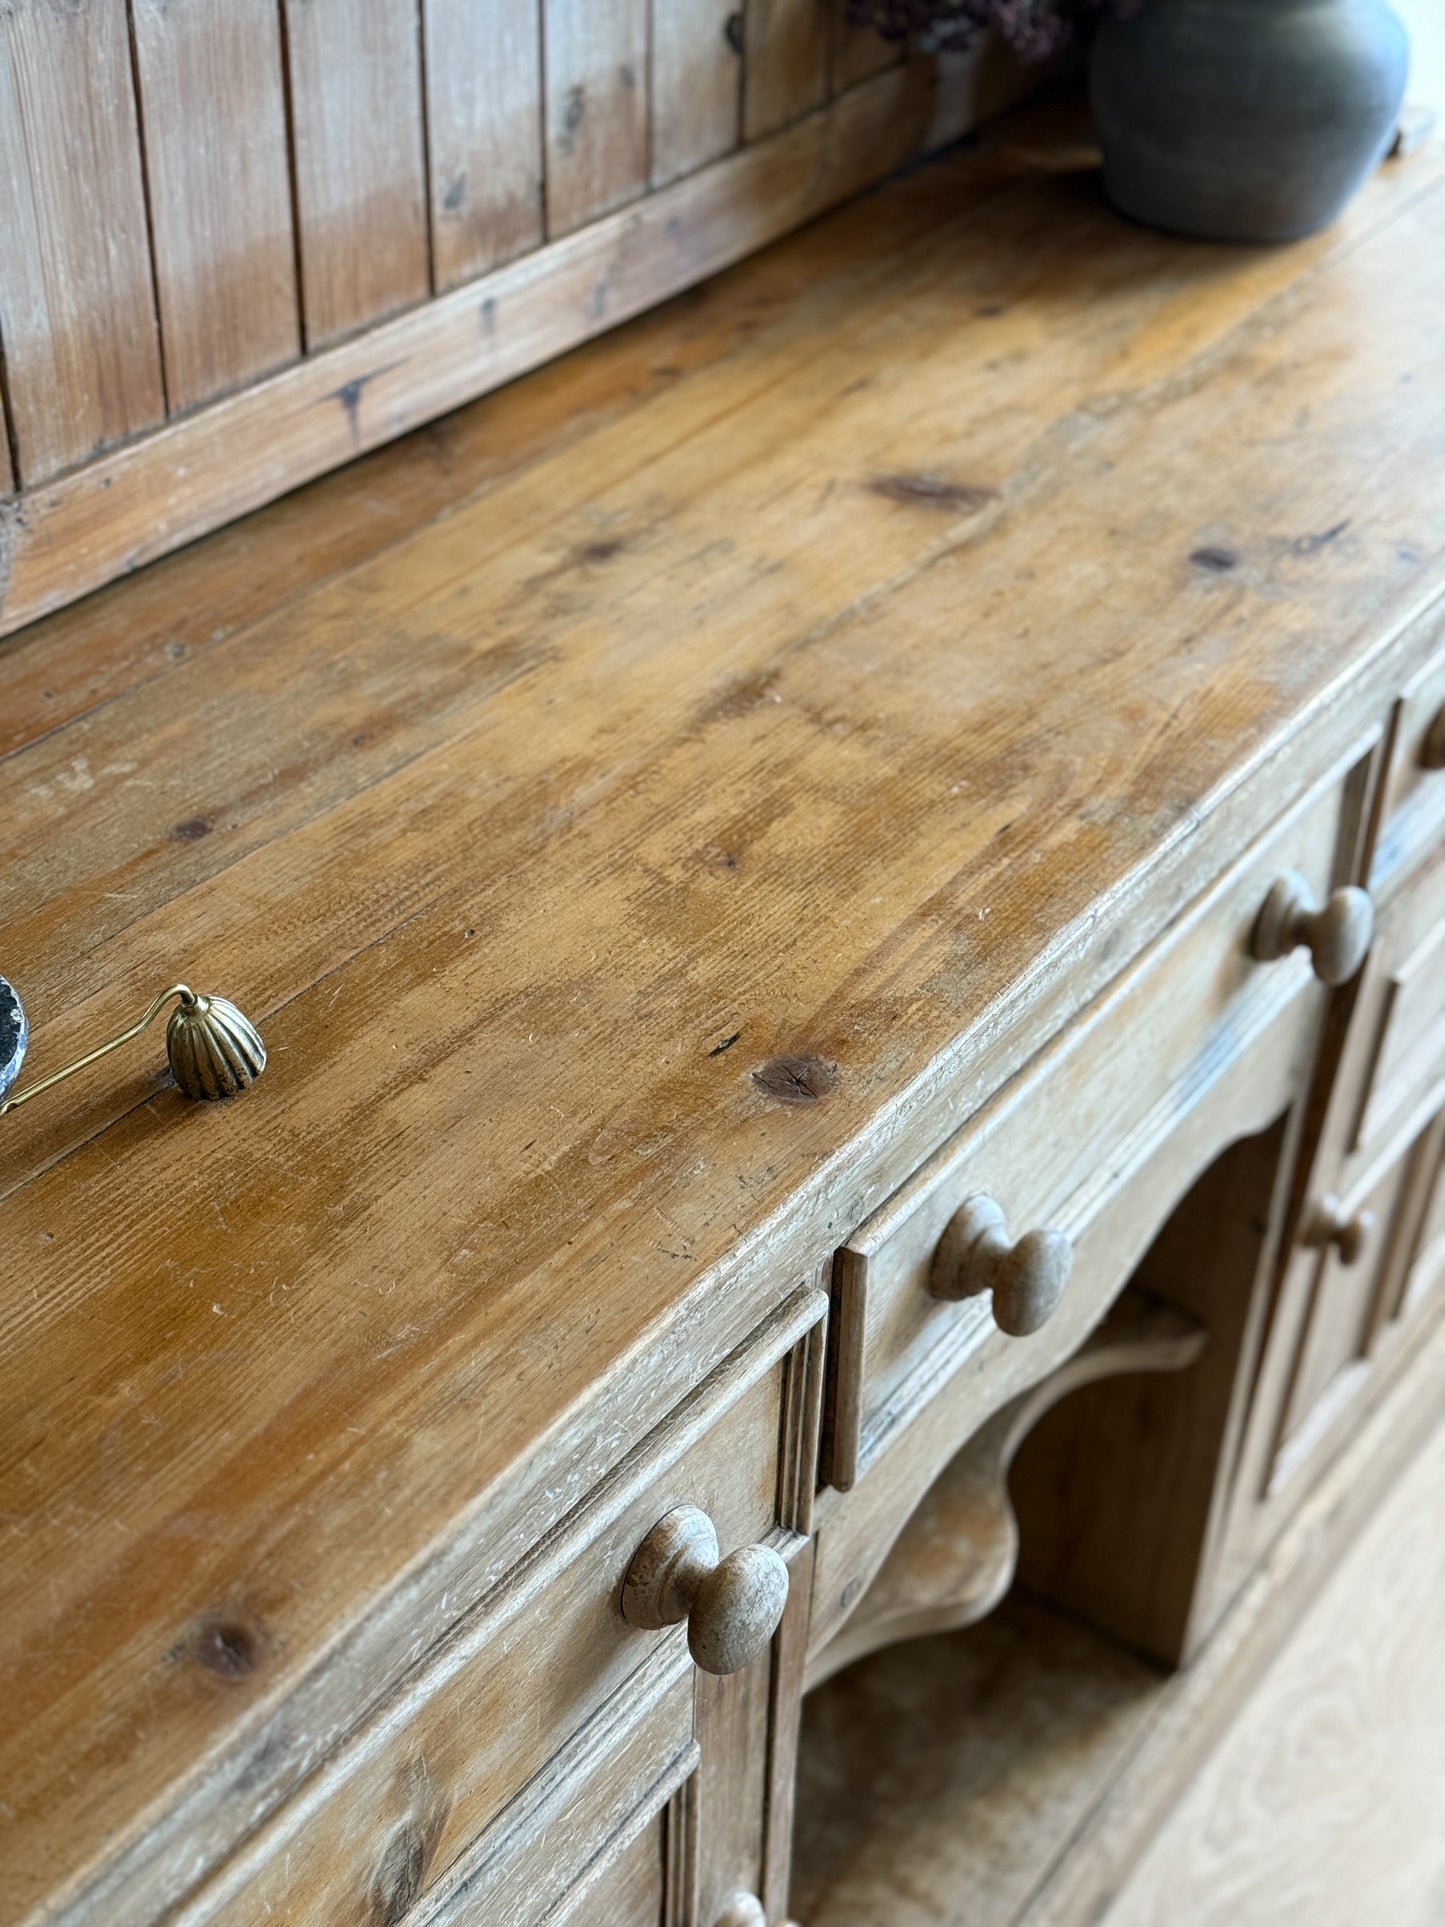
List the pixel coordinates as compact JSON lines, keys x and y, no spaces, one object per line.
{"x":1363,"y":1249}
{"x":1362,"y":1275}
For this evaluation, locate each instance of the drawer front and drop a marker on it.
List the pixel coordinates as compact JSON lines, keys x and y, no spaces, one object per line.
{"x":1069,"y":1133}
{"x":544,"y":1658}
{"x":630,"y":1891}
{"x":929,"y":1419}
{"x":1413,"y":811}
{"x":588,"y":1841}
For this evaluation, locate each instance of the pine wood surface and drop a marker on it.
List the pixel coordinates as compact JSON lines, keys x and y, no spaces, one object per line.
{"x":75,"y":242}
{"x":269,"y":242}
{"x":209,"y":80}
{"x":1326,"y":1801}
{"x":484,"y":133}
{"x":151,"y":495}
{"x":854,"y":695}
{"x":697,"y":78}
{"x":360,"y":170}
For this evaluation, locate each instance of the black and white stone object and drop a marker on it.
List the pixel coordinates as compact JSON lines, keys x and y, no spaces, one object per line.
{"x":14,"y":1035}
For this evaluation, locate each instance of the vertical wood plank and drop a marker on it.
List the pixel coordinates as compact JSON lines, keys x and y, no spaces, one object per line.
{"x":356,"y":112}
{"x":484,"y":124}
{"x":790,"y":1665}
{"x":859,"y":53}
{"x":731,"y":1722}
{"x":785,"y":63}
{"x":77,"y":311}
{"x":7,"y":474}
{"x":696,"y":84}
{"x":213,"y":119}
{"x":597,"y":135}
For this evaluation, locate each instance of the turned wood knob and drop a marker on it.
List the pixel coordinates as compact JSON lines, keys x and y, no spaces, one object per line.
{"x":1027,"y":1278}
{"x":1432,"y":750}
{"x":732,"y":1606}
{"x":1348,"y":1235}
{"x":1337,"y":933}
{"x":743,"y":1910}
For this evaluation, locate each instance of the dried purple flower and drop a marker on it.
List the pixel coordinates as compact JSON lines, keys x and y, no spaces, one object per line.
{"x":1033,"y":28}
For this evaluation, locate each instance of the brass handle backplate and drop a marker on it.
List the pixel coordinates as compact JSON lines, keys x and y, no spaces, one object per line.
{"x":214,"y":1051}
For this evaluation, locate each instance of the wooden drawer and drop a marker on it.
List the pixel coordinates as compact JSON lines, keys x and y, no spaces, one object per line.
{"x":1071,"y":1131}
{"x":1413,"y":806}
{"x":924,"y":1422}
{"x":546,"y":1656}
{"x":587,"y":1844}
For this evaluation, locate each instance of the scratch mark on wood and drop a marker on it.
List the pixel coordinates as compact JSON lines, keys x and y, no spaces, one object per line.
{"x":1312,"y":544}
{"x":933,"y":491}
{"x":1217,"y":560}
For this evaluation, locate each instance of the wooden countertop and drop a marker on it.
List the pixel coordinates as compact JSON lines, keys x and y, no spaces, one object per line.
{"x":643,"y":812}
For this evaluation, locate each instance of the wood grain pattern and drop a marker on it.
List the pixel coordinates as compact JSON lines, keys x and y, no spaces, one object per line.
{"x":246,"y":450}
{"x":7,"y":467}
{"x":956,"y":1556}
{"x":623,"y":679}
{"x":733,"y":1718}
{"x":935,"y":1414}
{"x":696,"y":85}
{"x":788,"y":44}
{"x":549,"y":1656}
{"x":1124,"y":1075}
{"x":596,"y":64}
{"x":484,"y":131}
{"x":1121,"y":1492}
{"x":1067,"y":1752}
{"x":77,"y":309}
{"x":214,"y":123}
{"x":1325,"y":1800}
{"x":361,"y":204}
{"x":858,"y":53}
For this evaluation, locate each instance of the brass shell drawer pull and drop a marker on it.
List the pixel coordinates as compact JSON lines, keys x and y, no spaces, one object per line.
{"x":213,"y":1049}
{"x":732,"y":1606}
{"x":1026,"y":1277}
{"x":1337,"y":933}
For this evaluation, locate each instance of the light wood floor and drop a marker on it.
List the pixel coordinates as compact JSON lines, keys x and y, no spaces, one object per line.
{"x":1325,"y":1804}
{"x":950,"y":1782}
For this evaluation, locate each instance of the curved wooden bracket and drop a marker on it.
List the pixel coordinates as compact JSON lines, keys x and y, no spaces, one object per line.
{"x":955,"y":1559}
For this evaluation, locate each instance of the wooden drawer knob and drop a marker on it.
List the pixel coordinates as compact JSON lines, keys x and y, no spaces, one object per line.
{"x":1337,"y":933}
{"x":732,"y":1606}
{"x":1027,"y":1278}
{"x":1349,"y":1236}
{"x":743,"y":1910}
{"x":1432,"y":750}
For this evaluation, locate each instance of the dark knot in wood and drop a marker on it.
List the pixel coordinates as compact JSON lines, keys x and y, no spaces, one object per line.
{"x":796,"y":1080}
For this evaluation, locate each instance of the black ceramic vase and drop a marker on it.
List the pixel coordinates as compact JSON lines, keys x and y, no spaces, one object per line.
{"x":1245,"y":120}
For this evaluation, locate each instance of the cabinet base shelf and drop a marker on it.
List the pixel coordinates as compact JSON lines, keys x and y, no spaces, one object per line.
{"x":1016,"y":1771}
